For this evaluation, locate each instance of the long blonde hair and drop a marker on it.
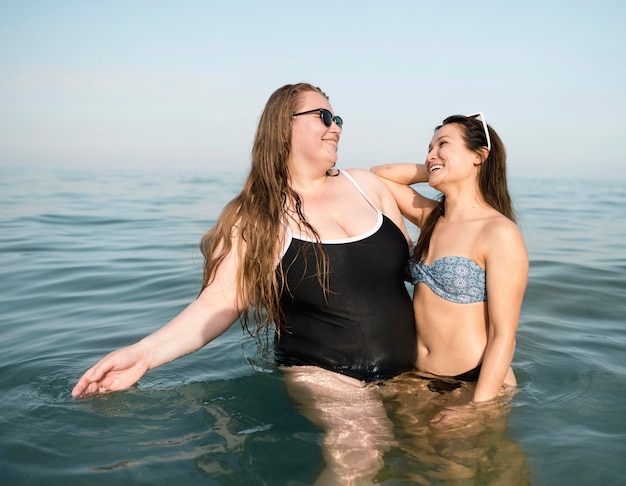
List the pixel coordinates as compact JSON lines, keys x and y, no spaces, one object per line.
{"x":255,"y":219}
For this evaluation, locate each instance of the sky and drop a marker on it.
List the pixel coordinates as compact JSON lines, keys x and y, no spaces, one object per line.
{"x":181,"y":85}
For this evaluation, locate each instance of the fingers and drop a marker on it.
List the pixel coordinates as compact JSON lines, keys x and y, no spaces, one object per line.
{"x":437,"y":418}
{"x":85,"y":387}
{"x":444,"y":419}
{"x":77,"y":391}
{"x":116,"y":371}
{"x":89,"y":383}
{"x":457,"y":417}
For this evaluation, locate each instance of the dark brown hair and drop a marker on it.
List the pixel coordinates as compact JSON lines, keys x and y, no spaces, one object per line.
{"x":492,"y":180}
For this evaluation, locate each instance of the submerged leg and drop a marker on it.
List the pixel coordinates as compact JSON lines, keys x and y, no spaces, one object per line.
{"x":357,"y":431}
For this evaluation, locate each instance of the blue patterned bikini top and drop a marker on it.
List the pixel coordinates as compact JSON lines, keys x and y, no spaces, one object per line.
{"x":454,"y":278}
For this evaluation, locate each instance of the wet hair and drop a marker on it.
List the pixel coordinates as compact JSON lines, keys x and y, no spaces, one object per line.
{"x":255,"y":220}
{"x":492,"y":181}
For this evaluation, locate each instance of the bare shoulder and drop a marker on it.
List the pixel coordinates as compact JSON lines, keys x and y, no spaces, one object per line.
{"x":365,"y":177}
{"x":500,"y":225}
{"x":502,"y":234}
{"x":369,"y":182}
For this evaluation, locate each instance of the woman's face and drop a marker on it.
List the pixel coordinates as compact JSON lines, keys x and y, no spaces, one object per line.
{"x":448,"y":157}
{"x":313,"y":144}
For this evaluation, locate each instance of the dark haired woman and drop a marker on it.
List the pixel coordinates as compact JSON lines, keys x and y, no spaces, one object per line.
{"x":470,"y":264}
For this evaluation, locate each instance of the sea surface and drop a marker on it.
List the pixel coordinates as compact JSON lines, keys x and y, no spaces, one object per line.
{"x":92,"y":260}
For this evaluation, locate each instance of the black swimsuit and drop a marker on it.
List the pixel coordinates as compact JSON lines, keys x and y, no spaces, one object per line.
{"x":365,"y":328}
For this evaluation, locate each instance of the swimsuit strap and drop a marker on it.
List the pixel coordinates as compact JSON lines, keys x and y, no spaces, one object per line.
{"x":351,"y":179}
{"x":290,"y":234}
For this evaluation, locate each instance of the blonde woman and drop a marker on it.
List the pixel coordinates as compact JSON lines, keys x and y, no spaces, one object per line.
{"x":318,"y":255}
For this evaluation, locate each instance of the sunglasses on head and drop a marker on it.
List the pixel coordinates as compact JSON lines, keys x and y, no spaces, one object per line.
{"x":482,"y":119}
{"x":326,"y":116}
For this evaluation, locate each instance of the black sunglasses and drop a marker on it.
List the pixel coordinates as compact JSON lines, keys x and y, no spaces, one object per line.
{"x":326,"y":116}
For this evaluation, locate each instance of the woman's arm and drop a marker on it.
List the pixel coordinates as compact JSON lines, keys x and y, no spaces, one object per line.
{"x":406,"y":174}
{"x":203,"y":320}
{"x":398,"y":178}
{"x":506,"y":263}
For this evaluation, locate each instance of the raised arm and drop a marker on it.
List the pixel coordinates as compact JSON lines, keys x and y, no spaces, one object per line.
{"x":398,"y":178}
{"x":203,"y":320}
{"x":507,"y":274}
{"x":406,"y":174}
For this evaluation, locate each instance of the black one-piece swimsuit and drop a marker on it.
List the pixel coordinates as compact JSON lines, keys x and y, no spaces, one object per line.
{"x":365,"y":326}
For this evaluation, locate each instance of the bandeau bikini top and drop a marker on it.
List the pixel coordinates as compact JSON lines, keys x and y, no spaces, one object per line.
{"x":454,"y":278}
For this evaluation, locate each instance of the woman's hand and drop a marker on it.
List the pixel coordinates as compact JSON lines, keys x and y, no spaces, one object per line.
{"x":116,"y":371}
{"x":455,"y":416}
{"x":472,"y":412}
{"x":207,"y":317}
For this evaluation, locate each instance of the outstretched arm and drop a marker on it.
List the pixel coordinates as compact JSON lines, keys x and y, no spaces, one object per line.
{"x":398,"y":178}
{"x":203,"y":320}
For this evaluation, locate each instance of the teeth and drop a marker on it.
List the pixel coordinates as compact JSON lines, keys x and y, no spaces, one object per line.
{"x":435,"y":167}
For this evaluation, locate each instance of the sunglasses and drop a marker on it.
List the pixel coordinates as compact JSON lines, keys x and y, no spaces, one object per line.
{"x":482,"y":119}
{"x":326,"y":116}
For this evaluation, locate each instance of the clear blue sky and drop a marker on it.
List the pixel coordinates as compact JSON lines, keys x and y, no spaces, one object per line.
{"x":181,"y":84}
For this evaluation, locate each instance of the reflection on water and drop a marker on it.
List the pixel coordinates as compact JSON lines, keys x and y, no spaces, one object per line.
{"x":357,"y":431}
{"x":383,"y":432}
{"x":475,"y":450}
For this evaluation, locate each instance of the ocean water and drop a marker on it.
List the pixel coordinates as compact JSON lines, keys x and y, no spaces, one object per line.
{"x":92,"y":260}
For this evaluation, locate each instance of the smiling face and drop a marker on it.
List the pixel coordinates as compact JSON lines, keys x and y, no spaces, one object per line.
{"x":313,"y":144}
{"x":448,"y":158}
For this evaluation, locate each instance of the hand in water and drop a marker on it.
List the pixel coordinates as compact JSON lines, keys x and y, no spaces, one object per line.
{"x":116,"y":371}
{"x":456,"y":416}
